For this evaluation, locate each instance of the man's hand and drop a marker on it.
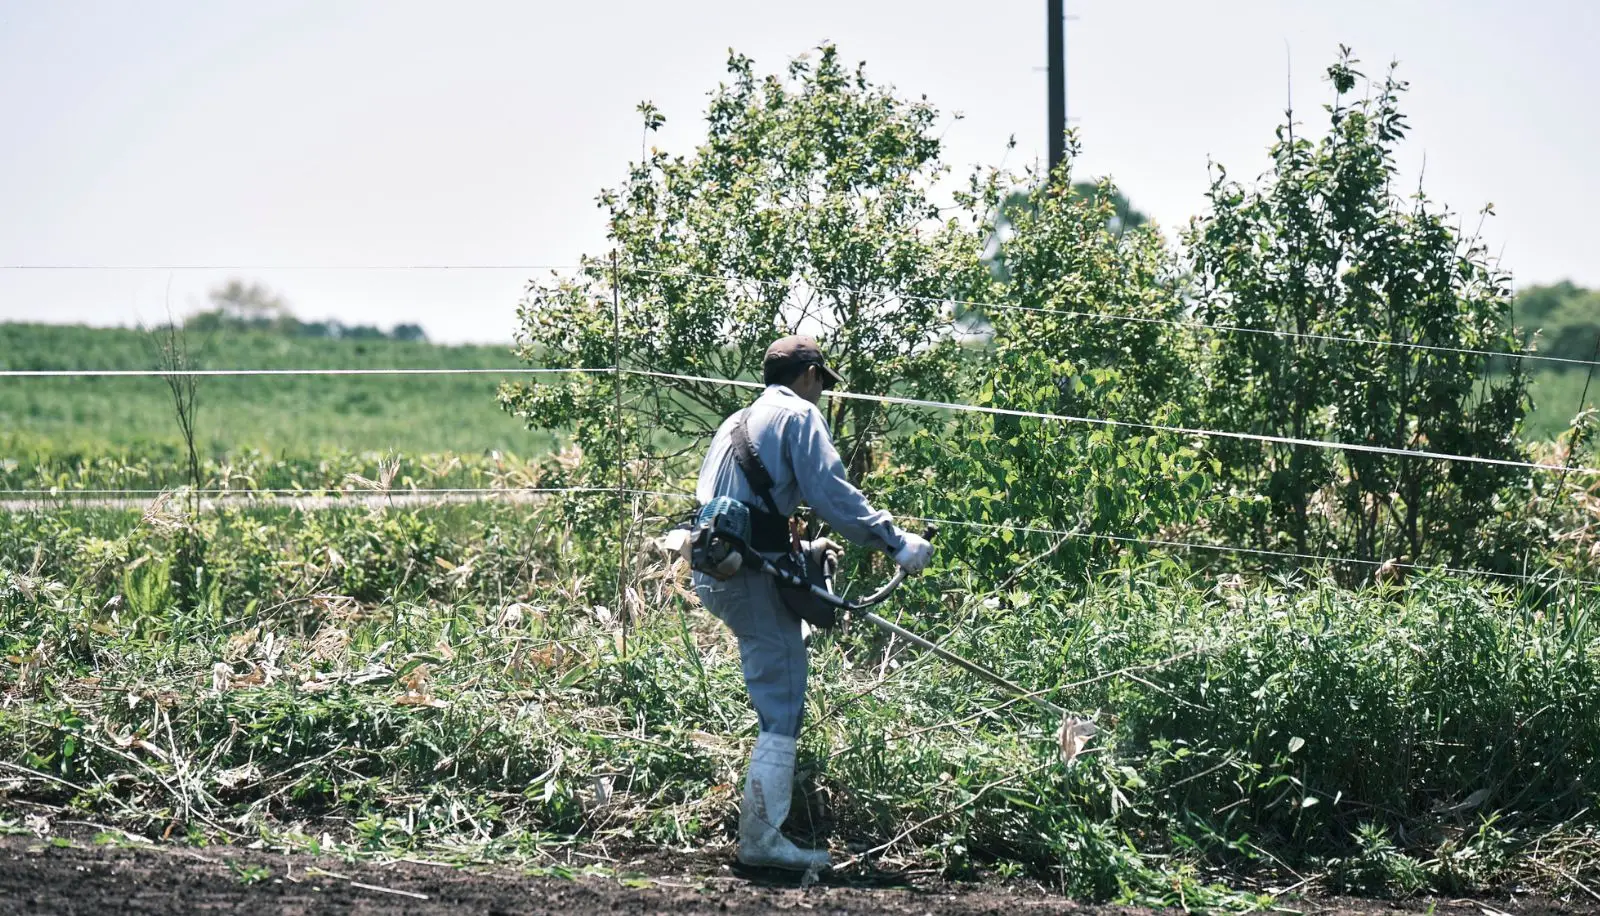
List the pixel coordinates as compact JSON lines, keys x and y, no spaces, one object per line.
{"x":822,"y":548}
{"x":914,"y":554}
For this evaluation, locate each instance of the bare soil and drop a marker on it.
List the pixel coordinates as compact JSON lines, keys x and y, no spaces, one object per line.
{"x":76,"y":876}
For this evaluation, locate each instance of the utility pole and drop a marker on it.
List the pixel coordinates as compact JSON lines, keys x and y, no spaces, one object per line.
{"x":1056,"y":32}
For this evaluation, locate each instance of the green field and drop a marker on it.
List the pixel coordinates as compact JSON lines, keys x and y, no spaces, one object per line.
{"x":281,"y":416}
{"x":299,"y":416}
{"x":1555,"y":394}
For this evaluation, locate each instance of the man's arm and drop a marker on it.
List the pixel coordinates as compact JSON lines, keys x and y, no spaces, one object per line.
{"x":820,"y":475}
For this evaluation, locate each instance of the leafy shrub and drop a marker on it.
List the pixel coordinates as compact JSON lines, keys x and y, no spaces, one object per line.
{"x":1326,"y":248}
{"x":808,"y":208}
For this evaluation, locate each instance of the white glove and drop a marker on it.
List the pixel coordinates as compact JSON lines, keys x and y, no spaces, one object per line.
{"x":914,"y":554}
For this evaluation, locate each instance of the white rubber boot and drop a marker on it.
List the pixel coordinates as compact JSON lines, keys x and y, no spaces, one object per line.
{"x":767,"y":790}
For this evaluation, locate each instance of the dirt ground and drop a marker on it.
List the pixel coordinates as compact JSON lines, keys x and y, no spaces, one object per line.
{"x":76,"y":876}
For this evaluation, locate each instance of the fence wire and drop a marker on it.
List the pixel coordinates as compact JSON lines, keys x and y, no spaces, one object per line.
{"x":1249,"y":551}
{"x":982,"y":307}
{"x":975,"y":305}
{"x":848,"y":395}
{"x":137,"y":268}
{"x":267,"y":373}
{"x":330,"y":492}
{"x":1148,"y":427}
{"x":366,"y":496}
{"x":358,"y":494}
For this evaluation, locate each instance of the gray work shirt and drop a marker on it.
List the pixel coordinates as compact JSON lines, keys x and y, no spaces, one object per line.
{"x":791,"y":437}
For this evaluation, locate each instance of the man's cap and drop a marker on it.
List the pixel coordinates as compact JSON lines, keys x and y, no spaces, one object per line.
{"x":799,"y":350}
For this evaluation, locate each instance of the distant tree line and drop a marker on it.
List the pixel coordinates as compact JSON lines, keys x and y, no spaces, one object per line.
{"x":240,"y":306}
{"x":1566,"y":317}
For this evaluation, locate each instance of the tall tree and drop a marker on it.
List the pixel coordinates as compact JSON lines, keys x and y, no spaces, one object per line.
{"x":807,"y":208}
{"x":1082,"y":326}
{"x":1327,"y":247}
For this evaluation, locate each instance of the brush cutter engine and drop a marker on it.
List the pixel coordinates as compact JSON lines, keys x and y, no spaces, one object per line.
{"x":720,"y":537}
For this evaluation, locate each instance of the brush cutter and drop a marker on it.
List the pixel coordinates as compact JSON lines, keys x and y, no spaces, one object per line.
{"x":859,"y":607}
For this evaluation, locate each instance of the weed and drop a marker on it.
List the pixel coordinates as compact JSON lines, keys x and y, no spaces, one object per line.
{"x":249,"y":874}
{"x":1377,"y":868}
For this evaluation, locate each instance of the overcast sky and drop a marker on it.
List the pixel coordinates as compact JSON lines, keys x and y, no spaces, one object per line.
{"x":277,"y":137}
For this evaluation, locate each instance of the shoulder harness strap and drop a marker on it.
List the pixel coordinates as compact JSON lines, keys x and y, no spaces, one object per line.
{"x":744,"y":452}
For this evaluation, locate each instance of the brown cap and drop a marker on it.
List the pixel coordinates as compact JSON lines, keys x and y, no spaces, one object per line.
{"x":798,"y":350}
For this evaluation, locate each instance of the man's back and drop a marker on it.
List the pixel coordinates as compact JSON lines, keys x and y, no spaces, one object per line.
{"x":791,"y":437}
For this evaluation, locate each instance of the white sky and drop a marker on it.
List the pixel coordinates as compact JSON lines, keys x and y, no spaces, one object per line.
{"x":272,"y":135}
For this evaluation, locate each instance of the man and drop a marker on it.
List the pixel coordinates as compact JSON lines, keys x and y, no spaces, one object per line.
{"x":790,"y":436}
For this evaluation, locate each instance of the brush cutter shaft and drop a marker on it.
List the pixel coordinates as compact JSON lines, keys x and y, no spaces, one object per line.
{"x":954,"y":659}
{"x":877,"y":597}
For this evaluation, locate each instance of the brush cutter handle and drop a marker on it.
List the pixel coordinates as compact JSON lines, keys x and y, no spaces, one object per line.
{"x":790,"y":579}
{"x":824,"y":594}
{"x":878,"y":596}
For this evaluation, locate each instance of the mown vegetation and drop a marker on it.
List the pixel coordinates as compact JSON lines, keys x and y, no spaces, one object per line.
{"x":441,"y":681}
{"x":471,"y":683}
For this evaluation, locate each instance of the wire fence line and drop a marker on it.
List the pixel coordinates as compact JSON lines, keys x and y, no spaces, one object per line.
{"x":1148,"y":427}
{"x":331,"y":491}
{"x":111,"y":268}
{"x":977,"y":305}
{"x":359,"y":494}
{"x":368,"y":496}
{"x":149,"y":501}
{"x":246,"y":373}
{"x":955,"y":407}
{"x":1251,"y":551}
